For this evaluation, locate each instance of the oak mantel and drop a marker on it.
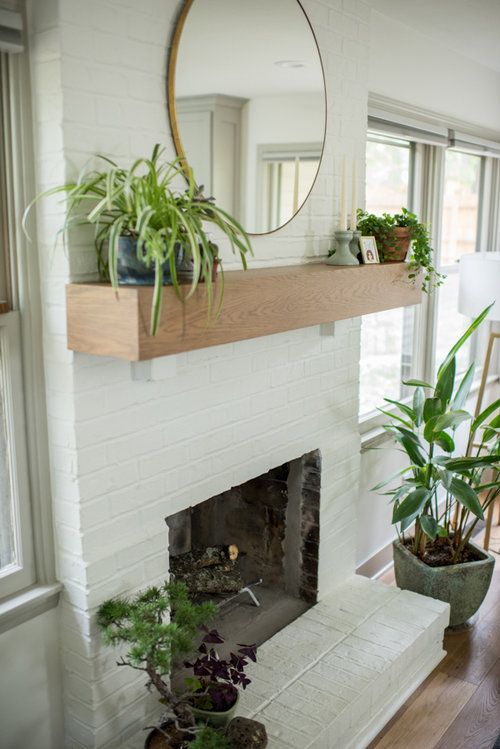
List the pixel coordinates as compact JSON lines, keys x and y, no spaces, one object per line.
{"x":257,"y":302}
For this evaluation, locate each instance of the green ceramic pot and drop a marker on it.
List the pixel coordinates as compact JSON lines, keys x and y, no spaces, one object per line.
{"x":463,"y":586}
{"x":217,"y":720}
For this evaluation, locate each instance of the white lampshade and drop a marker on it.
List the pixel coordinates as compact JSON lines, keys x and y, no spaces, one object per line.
{"x":479,"y":284}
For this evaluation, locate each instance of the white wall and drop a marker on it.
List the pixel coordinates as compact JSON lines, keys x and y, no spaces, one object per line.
{"x":30,"y":684}
{"x":408,"y":66}
{"x":125,"y":452}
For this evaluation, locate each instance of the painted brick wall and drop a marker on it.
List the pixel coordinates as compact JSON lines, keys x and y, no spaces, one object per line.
{"x":132,"y":444}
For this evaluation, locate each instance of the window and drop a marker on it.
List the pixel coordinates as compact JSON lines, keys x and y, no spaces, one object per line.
{"x":23,"y":451}
{"x":452,"y":188}
{"x":460,"y":220}
{"x":16,"y":545}
{"x":387,"y":338}
{"x":287,"y":175}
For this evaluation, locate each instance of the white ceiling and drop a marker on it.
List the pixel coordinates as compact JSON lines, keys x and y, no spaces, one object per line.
{"x":230,"y":47}
{"x":469,"y":27}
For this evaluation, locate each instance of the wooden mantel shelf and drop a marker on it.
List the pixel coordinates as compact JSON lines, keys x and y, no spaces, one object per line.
{"x":256,"y":303}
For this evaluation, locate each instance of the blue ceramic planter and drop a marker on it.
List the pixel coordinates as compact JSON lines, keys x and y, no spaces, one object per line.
{"x":131,"y":269}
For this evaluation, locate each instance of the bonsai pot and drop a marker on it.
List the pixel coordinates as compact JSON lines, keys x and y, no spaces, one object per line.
{"x":463,"y":586}
{"x":157,"y":739}
{"x":131,"y":269}
{"x":216,"y":719}
{"x":398,"y":251}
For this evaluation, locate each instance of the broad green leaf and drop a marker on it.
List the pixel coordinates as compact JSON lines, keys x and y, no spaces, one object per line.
{"x":485,"y":414}
{"x":418,"y":405}
{"x":466,"y":495}
{"x":418,"y":383}
{"x":411,"y":447}
{"x":492,"y":429}
{"x":395,"y":416}
{"x":444,"y":441}
{"x":411,"y":505}
{"x":452,"y":419}
{"x":458,"y":345}
{"x":429,"y":526}
{"x":388,"y":481}
{"x":402,"y":407}
{"x":442,"y":532}
{"x":457,"y":465}
{"x":463,"y":389}
{"x":446,"y":381}
{"x":433,"y":407}
{"x":445,"y":476}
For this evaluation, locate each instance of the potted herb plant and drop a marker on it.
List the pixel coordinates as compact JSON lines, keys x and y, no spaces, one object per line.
{"x":394,"y":234}
{"x":216,"y":680}
{"x":439,"y":559}
{"x":147,"y":231}
{"x":154,"y":643}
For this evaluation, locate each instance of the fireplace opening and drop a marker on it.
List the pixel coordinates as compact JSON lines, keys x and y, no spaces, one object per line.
{"x":253,"y":550}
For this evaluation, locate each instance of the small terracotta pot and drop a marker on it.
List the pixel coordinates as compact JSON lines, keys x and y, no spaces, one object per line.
{"x":400,"y":246}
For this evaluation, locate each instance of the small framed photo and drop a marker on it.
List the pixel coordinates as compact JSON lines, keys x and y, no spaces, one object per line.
{"x":369,"y":251}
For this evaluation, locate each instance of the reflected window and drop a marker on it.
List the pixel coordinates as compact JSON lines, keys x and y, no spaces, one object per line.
{"x":287,"y":177}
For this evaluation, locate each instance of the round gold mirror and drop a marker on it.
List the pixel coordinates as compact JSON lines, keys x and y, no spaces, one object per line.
{"x":247,"y":105}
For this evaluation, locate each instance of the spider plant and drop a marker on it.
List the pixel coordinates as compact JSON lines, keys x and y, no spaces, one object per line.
{"x":142,"y":202}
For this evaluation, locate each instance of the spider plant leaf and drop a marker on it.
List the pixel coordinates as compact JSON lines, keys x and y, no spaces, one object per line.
{"x":114,"y":237}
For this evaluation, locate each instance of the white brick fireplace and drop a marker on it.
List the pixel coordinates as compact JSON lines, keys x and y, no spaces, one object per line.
{"x":131,"y":444}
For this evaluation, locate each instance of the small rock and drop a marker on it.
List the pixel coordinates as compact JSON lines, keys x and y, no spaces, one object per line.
{"x":244,"y":733}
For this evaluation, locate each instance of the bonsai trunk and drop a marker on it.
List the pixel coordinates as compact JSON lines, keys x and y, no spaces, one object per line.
{"x":180,"y":710}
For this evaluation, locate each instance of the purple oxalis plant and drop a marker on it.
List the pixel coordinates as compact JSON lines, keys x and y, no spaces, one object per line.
{"x":216,"y":680}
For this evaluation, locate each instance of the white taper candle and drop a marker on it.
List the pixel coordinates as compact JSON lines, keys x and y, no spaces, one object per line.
{"x":343,"y":198}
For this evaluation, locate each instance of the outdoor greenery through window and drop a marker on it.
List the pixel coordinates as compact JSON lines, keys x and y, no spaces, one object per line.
{"x":459,"y":237}
{"x":395,"y":344}
{"x":386,"y":337}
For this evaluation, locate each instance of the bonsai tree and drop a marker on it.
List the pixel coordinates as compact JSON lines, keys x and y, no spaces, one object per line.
{"x":166,"y":224}
{"x":154,"y":642}
{"x":438,"y":485}
{"x":420,"y":261}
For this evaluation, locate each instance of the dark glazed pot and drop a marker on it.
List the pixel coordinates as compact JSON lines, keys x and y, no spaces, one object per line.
{"x":131,"y":269}
{"x":463,"y":586}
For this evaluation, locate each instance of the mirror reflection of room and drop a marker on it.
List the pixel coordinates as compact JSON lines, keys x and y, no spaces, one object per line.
{"x":250,"y":106}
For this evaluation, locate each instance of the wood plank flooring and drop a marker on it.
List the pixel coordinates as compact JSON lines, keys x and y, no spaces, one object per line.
{"x":458,"y":706}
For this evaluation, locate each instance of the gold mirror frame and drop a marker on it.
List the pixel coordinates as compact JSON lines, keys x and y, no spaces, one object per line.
{"x":172,"y":110}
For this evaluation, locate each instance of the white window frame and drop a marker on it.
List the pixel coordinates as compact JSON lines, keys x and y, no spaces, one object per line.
{"x":427,"y":174}
{"x":31,"y":588}
{"x":21,"y":573}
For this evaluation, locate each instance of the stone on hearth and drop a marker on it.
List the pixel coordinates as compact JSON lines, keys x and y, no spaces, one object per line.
{"x":244,"y":733}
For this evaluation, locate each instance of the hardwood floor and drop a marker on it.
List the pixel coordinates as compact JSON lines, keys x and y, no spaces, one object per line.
{"x":458,"y":706}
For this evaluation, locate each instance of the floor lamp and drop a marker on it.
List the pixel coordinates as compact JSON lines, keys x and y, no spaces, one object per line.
{"x":479,"y":286}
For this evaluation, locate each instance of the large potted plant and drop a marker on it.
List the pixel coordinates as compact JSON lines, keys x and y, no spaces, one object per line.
{"x":441,"y":493}
{"x":159,"y":626}
{"x":147,"y":231}
{"x":394,"y":234}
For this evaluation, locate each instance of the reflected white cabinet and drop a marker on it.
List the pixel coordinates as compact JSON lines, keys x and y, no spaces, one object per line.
{"x":211,"y":135}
